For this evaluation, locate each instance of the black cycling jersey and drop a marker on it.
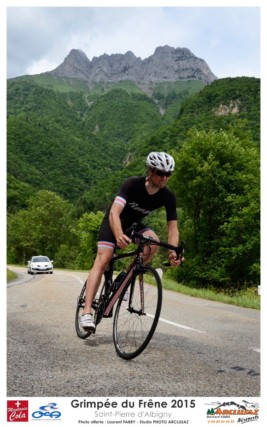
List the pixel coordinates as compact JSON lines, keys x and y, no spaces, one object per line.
{"x":137,"y":204}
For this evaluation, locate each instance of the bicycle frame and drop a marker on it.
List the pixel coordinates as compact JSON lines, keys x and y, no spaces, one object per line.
{"x":129,"y":272}
{"x":136,"y":317}
{"x":136,"y":263}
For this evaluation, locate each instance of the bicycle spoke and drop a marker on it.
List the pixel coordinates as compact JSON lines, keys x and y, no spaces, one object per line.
{"x":135,"y":320}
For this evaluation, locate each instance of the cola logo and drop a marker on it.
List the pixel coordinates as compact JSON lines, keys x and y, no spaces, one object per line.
{"x":17,"y":410}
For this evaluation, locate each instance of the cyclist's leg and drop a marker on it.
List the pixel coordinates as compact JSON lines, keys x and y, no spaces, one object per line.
{"x":149,"y":251}
{"x":94,"y":277}
{"x":106,"y":246}
{"x":81,"y":332}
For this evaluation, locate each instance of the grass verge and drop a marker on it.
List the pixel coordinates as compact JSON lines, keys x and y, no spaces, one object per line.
{"x":248,"y":298}
{"x":10,"y":275}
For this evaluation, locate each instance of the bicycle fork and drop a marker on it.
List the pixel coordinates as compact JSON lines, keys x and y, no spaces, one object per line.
{"x":131,"y":309}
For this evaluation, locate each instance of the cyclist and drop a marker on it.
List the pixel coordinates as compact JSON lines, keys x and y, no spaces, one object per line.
{"x":137,"y":198}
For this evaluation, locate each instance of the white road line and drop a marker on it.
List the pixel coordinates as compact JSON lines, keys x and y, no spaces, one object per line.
{"x":178,"y":325}
{"x":258,"y":350}
{"x":79,"y":280}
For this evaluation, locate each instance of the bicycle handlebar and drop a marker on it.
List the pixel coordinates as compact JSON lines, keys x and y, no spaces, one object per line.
{"x":178,"y":249}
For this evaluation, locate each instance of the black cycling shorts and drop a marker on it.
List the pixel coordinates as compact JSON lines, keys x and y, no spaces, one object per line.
{"x":106,"y":238}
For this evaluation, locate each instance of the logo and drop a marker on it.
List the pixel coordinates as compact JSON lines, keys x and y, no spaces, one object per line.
{"x":243,"y":412}
{"x":17,"y":410}
{"x":49,"y":411}
{"x":136,"y":207}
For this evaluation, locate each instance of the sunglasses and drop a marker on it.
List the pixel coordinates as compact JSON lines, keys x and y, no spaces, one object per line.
{"x":161,"y":173}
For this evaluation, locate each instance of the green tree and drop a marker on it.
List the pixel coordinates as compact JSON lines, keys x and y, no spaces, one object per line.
{"x":20,"y":242}
{"x":217,"y":182}
{"x":87,"y":234}
{"x":42,"y":228}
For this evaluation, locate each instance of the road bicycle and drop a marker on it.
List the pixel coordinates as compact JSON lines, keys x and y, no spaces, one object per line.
{"x":138,"y":294}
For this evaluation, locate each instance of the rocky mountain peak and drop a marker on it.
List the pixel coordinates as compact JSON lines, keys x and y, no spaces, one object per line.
{"x":168,"y":50}
{"x":166,"y":64}
{"x":75,"y":65}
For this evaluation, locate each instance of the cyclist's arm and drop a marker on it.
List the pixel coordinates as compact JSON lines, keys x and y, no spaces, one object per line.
{"x":173,"y":239}
{"x":173,"y":233}
{"x":115,"y":224}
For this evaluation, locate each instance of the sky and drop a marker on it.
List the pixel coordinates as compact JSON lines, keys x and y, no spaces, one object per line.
{"x":227,"y":38}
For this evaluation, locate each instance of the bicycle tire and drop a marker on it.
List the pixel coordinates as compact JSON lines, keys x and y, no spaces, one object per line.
{"x":79,"y":309}
{"x":132,"y":331}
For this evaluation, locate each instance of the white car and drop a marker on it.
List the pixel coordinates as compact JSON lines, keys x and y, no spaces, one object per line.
{"x":40,"y":264}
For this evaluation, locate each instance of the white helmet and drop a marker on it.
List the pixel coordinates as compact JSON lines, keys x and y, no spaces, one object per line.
{"x":161,"y":161}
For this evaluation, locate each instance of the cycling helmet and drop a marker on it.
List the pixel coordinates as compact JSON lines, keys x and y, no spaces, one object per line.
{"x":161,"y":161}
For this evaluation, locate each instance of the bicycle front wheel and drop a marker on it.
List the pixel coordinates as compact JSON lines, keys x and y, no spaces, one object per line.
{"x":137,"y":317}
{"x":79,"y":310}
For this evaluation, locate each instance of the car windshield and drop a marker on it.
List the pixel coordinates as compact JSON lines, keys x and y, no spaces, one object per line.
{"x":40,"y":259}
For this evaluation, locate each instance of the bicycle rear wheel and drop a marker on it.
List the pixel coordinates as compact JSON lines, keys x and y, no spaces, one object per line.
{"x":79,"y":310}
{"x":136,"y":319}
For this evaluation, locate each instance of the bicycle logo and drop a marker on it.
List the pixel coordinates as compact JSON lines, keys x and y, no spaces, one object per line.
{"x":49,"y":410}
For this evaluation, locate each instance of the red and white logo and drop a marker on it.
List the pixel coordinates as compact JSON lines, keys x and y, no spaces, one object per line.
{"x":17,"y":410}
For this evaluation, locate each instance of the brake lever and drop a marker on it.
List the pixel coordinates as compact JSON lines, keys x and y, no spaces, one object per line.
{"x":180,"y":250}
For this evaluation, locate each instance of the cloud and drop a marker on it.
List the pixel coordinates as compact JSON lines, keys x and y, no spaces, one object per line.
{"x":39,"y":38}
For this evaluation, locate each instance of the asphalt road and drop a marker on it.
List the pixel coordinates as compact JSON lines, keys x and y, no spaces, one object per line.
{"x":200,"y":348}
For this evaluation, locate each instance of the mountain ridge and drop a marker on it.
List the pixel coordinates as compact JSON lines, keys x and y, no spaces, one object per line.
{"x":166,"y":64}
